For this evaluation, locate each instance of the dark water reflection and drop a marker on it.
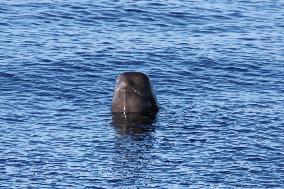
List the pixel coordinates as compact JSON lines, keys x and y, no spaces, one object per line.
{"x":133,"y":146}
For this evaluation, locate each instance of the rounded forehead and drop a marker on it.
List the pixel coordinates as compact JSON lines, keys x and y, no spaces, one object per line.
{"x":133,"y":76}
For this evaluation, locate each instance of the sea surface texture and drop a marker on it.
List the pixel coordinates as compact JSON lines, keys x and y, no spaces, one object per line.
{"x":217,"y":68}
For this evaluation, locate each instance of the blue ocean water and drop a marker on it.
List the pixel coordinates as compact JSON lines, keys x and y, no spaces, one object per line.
{"x":217,"y":68}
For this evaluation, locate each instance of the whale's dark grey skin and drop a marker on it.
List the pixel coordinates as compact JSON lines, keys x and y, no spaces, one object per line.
{"x":134,"y":94}
{"x":133,"y":123}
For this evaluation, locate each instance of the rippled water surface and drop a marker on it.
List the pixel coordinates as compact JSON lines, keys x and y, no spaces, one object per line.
{"x":217,"y":68}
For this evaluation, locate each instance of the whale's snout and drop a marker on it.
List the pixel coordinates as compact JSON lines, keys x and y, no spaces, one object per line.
{"x":133,"y":93}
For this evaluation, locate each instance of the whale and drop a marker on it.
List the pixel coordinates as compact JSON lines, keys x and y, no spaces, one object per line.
{"x":133,"y":93}
{"x":134,"y":123}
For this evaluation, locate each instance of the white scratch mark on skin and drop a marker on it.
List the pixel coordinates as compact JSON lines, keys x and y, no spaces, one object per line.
{"x":124,"y":105}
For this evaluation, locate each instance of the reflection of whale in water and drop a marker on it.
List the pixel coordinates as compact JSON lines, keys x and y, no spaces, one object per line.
{"x":133,"y":147}
{"x":133,"y":123}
